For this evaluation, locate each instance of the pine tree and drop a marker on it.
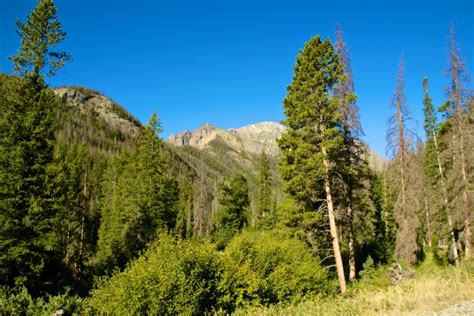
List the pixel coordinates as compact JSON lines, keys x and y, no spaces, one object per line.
{"x":70,"y":192}
{"x":313,"y":136}
{"x":385,"y":226}
{"x":39,"y":35}
{"x":186,"y":205}
{"x":204,"y":201}
{"x":144,"y":201}
{"x":457,"y":109}
{"x":433,"y":161}
{"x":231,"y":216}
{"x":26,"y":132}
{"x":265,"y":194}
{"x":400,"y":143}
{"x":351,"y":164}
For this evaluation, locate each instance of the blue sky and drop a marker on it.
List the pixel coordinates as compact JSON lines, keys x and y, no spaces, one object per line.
{"x":228,"y":63}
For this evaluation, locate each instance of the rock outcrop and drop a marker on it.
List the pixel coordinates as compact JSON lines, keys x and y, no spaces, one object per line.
{"x":251,"y":138}
{"x":115,"y":115}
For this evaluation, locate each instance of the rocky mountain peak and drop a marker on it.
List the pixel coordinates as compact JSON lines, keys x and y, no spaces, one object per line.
{"x":252,"y":138}
{"x":90,"y":100}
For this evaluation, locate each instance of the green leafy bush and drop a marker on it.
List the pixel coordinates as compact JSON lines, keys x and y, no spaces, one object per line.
{"x":270,"y":267}
{"x":172,"y":277}
{"x":19,"y":302}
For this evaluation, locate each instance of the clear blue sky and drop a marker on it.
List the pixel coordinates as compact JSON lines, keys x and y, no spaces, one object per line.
{"x":229,"y":62}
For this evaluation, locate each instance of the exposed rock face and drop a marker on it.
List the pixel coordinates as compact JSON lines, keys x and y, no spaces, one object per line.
{"x":260,"y":136}
{"x":115,"y":115}
{"x":251,"y":138}
{"x":376,"y":161}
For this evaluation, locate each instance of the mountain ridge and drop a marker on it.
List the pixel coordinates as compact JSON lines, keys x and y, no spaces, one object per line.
{"x":253,"y":138}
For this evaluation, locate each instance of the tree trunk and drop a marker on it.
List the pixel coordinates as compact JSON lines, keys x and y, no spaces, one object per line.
{"x":352,"y":261}
{"x":81,"y":238}
{"x":332,"y":225}
{"x":427,"y":221}
{"x":445,"y":199}
{"x":467,"y":247}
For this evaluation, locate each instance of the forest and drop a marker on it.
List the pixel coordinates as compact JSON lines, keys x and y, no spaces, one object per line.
{"x":100,"y":215}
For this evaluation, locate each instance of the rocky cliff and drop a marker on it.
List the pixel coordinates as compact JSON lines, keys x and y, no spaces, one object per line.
{"x":89,"y":100}
{"x":252,"y":138}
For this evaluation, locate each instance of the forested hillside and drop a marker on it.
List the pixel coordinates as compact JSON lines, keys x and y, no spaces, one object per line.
{"x":100,"y":215}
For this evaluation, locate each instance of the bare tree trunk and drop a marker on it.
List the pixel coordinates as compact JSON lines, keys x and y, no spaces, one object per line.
{"x":402,"y":160}
{"x":445,"y":198}
{"x":199,"y":216}
{"x":467,"y":230}
{"x":385,"y":207}
{"x":352,"y":261}
{"x":332,"y":225}
{"x":456,"y":70}
{"x":467,"y":247}
{"x":427,"y":220}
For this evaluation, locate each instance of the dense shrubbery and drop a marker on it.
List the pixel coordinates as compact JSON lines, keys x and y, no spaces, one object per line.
{"x":171,"y":277}
{"x":174,"y":276}
{"x":273,"y":268}
{"x":20,"y":302}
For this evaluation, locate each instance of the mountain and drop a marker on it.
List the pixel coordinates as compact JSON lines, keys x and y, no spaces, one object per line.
{"x":88,"y":100}
{"x":253,"y":139}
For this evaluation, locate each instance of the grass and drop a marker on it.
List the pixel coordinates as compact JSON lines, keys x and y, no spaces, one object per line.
{"x":433,"y":289}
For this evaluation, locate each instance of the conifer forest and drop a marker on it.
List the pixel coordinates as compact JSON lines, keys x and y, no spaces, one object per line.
{"x":100,"y":215}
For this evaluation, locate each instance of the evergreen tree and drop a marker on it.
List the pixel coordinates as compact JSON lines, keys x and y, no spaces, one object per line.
{"x":26,"y":132}
{"x":400,"y":143}
{"x":40,"y":34}
{"x":351,"y":165}
{"x":231,"y":216}
{"x":184,"y":226}
{"x":144,"y":201}
{"x":434,"y":170}
{"x":311,"y":143}
{"x":70,"y":192}
{"x":456,"y":110}
{"x":265,"y":193}
{"x":385,"y":226}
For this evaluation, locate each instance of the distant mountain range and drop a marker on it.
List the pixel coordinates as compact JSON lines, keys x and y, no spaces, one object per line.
{"x":253,"y":138}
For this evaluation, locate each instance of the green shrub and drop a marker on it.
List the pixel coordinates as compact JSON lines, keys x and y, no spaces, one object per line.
{"x":20,"y":302}
{"x":190,"y":277}
{"x":172,"y":277}
{"x":269,"y":267}
{"x":368,"y":268}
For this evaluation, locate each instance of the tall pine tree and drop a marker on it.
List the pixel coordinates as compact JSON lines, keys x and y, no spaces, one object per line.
{"x":26,"y":132}
{"x":351,"y":164}
{"x":265,"y":200}
{"x":457,"y":109}
{"x":434,"y":169}
{"x":310,"y":145}
{"x":400,"y":144}
{"x":231,"y":216}
{"x":143,"y":201}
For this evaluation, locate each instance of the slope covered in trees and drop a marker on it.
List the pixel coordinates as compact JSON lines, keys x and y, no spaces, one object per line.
{"x":98,"y":214}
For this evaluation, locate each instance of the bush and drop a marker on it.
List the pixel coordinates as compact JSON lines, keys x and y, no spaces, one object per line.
{"x":269,"y":267}
{"x":368,"y":268}
{"x":20,"y":302}
{"x":172,"y":277}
